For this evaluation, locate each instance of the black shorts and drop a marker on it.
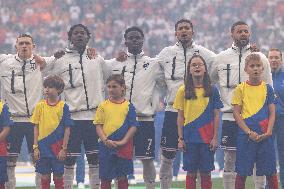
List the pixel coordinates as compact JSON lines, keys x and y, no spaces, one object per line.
{"x":83,"y":131}
{"x":169,"y":139}
{"x":17,"y":133}
{"x":229,"y":135}
{"x":144,"y":140}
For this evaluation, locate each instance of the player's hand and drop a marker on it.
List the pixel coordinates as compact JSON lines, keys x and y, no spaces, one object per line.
{"x":39,"y":61}
{"x":92,"y":53}
{"x":121,"y":56}
{"x":213,"y":145}
{"x":181,"y":145}
{"x":2,"y":138}
{"x":120,"y":143}
{"x":254,"y":136}
{"x":264,"y":136}
{"x":254,"y":48}
{"x":268,"y":133}
{"x":59,"y":54}
{"x":62,"y":155}
{"x":111,"y":144}
{"x":36,"y":154}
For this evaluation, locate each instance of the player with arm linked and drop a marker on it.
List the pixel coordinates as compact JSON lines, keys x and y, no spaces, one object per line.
{"x":173,"y":61}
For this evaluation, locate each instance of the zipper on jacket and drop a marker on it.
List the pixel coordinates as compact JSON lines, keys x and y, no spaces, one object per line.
{"x":13,"y":82}
{"x":240,"y":60}
{"x":173,"y":68}
{"x":25,"y":89}
{"x":84,"y":81}
{"x":184,"y":54}
{"x":123,"y":71}
{"x":228,"y":75}
{"x":71,"y":76}
{"x":132,"y":80}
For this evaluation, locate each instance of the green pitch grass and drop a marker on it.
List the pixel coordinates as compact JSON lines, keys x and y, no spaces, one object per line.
{"x":217,"y":184}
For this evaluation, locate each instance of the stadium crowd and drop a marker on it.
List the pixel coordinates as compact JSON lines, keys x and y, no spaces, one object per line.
{"x":47,"y":21}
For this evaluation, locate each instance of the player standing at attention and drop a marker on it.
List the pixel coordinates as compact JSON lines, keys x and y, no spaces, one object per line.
{"x":143,"y":76}
{"x":84,"y":91}
{"x":174,"y":60}
{"x":228,"y":72}
{"x":21,"y":87}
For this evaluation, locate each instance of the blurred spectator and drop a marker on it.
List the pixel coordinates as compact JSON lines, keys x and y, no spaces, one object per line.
{"x":47,"y":21}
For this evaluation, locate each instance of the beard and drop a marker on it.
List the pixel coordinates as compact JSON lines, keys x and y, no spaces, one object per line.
{"x":242,"y":42}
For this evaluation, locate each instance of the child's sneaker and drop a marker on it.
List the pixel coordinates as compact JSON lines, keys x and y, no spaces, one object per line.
{"x":221,"y":173}
{"x":132,"y":181}
{"x":81,"y":185}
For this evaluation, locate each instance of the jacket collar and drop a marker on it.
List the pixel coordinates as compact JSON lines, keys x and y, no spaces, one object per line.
{"x":73,"y":51}
{"x":130,"y":55}
{"x":178,"y":44}
{"x":20,"y":60}
{"x":236,"y":48}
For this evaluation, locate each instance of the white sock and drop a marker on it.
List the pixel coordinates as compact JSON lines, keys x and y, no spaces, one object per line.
{"x":115,"y":183}
{"x":68,"y":176}
{"x":94,"y":176}
{"x":229,"y":169}
{"x":259,"y":181}
{"x":149,"y":173}
{"x":229,"y":160}
{"x":38,"y":180}
{"x":229,"y":180}
{"x":198,"y":180}
{"x":166,"y":172}
{"x":11,"y":184}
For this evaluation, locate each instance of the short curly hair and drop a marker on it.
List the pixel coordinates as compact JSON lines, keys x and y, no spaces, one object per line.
{"x":78,"y":25}
{"x":253,"y":57}
{"x":133,"y":28}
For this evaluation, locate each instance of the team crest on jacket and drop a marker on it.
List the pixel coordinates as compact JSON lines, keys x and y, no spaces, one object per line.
{"x":196,"y":52}
{"x":33,"y":66}
{"x":145,"y":65}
